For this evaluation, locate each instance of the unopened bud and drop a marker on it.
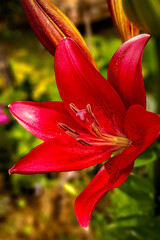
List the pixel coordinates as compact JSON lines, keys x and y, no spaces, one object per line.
{"x":126,"y":28}
{"x":51,"y":25}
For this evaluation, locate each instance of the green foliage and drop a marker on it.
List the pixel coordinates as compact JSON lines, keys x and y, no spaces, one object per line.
{"x":145,"y":158}
{"x":103,"y":50}
{"x":130,"y":214}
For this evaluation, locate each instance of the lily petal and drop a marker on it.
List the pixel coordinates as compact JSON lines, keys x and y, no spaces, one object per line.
{"x":51,"y":25}
{"x":107,"y":178}
{"x":142,"y":128}
{"x":126,"y":28}
{"x":41,"y":119}
{"x":81,"y":84}
{"x":62,"y":153}
{"x":125,"y":71}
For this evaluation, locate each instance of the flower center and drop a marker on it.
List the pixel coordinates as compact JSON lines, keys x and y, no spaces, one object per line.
{"x":98,"y":138}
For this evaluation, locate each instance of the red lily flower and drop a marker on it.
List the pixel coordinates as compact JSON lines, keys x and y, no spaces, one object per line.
{"x":96,"y":118}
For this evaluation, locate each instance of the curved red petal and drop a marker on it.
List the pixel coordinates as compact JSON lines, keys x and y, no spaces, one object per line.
{"x":80,"y":83}
{"x":41,"y":119}
{"x":142,"y":128}
{"x":107,"y":178}
{"x":62,"y":153}
{"x":125,"y":71}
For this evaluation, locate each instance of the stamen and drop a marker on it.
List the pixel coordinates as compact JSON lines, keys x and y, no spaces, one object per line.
{"x":96,"y":130}
{"x":66,"y":128}
{"x":105,"y":143}
{"x":103,"y":139}
{"x":84,"y":142}
{"x":73,"y":108}
{"x":110,"y":138}
{"x":107,"y":136}
{"x":92,"y":114}
{"x":73,"y":135}
{"x":100,"y":134}
{"x":80,"y":140}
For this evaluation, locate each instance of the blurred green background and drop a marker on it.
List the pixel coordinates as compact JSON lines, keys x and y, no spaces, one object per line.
{"x":41,"y":207}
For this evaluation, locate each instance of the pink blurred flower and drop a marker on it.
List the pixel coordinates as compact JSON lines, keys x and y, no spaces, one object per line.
{"x":4,"y":118}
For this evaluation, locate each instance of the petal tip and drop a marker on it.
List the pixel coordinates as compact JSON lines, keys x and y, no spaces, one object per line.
{"x":65,"y":40}
{"x":16,"y":107}
{"x":81,"y":218}
{"x":16,"y":170}
{"x":143,"y":36}
{"x":146,"y":36}
{"x":11,"y":105}
{"x":83,"y":224}
{"x":11,"y":108}
{"x":10,"y":171}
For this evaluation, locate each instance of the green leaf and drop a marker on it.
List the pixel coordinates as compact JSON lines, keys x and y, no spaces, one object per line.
{"x":145,"y":158}
{"x":138,"y":188}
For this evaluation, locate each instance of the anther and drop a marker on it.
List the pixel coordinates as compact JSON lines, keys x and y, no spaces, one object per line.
{"x":74,"y":108}
{"x":83,"y":142}
{"x":66,"y":128}
{"x":73,"y":135}
{"x":80,"y":140}
{"x":92,"y":114}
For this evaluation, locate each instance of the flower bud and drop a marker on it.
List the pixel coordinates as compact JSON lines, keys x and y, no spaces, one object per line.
{"x":126,"y":28}
{"x":145,"y":14}
{"x":50,"y":25}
